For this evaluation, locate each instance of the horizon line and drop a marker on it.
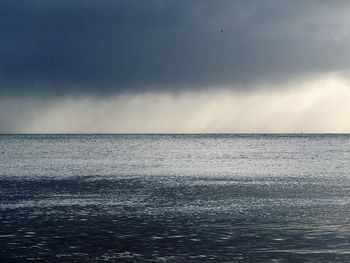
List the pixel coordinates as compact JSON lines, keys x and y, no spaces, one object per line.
{"x":184,"y":133}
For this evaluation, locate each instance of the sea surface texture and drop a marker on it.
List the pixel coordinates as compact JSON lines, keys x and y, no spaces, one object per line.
{"x":174,"y":198}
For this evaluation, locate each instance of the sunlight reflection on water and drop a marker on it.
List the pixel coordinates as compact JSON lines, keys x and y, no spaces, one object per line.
{"x":174,"y":198}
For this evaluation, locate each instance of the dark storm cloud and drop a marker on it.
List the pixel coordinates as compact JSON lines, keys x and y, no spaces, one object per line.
{"x":85,"y":46}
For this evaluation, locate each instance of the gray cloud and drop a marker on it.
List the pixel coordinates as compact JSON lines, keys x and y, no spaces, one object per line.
{"x":113,"y":46}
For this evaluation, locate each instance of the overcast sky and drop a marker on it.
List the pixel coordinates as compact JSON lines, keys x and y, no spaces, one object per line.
{"x":191,"y":52}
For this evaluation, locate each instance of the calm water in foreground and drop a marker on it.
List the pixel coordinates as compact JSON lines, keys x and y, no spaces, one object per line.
{"x":174,"y":198}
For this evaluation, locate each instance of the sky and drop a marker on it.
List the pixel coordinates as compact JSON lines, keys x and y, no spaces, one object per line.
{"x":165,"y":66}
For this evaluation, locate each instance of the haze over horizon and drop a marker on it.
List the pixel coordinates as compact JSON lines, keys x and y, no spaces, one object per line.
{"x":174,"y":66}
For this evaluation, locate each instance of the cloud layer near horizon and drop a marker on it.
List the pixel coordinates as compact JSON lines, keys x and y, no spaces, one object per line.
{"x":130,"y":46}
{"x":316,"y":106}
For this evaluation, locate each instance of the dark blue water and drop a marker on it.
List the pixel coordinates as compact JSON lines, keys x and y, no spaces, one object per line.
{"x":174,"y":198}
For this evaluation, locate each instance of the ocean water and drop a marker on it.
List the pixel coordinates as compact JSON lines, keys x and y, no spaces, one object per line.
{"x":174,"y":198}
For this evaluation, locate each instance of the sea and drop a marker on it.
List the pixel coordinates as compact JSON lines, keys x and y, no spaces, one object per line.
{"x":175,"y":198}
